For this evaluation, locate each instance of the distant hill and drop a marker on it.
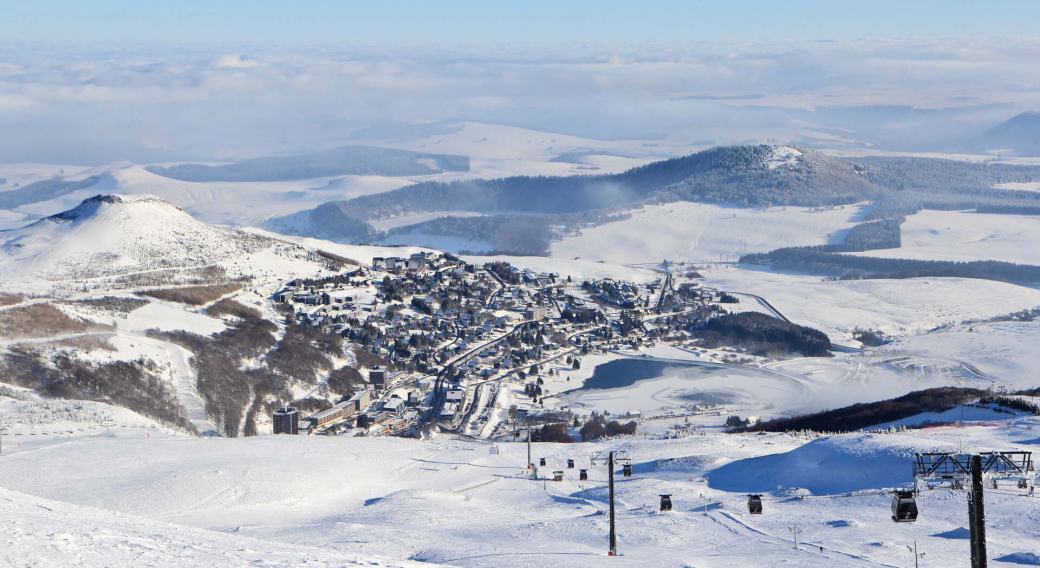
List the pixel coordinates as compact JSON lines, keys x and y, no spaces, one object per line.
{"x":1019,"y":135}
{"x":742,"y":176}
{"x":346,"y":160}
{"x":773,"y":175}
{"x":739,"y":175}
{"x":45,"y":190}
{"x":580,"y":156}
{"x":331,"y":221}
{"x":118,"y":234}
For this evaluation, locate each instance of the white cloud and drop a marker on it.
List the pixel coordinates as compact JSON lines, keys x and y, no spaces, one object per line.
{"x":227,"y":103}
{"x":12,"y":103}
{"x":234,"y":60}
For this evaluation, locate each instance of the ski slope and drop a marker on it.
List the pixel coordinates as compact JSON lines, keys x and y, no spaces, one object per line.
{"x":41,"y":532}
{"x":457,"y":503}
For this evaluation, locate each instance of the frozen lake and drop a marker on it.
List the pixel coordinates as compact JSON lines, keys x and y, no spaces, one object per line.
{"x":647,"y":383}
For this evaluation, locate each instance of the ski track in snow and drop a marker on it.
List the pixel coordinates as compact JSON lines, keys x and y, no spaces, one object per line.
{"x":186,"y":383}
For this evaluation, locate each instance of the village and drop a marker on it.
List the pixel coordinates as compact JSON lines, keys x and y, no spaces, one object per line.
{"x":467,"y":349}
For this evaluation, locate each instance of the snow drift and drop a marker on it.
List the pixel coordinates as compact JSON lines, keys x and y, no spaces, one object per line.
{"x":823,"y":466}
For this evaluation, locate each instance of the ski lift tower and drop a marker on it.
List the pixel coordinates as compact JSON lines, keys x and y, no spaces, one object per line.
{"x":956,"y":468}
{"x":610,"y":458}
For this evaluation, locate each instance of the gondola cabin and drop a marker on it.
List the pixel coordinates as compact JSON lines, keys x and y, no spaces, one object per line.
{"x":904,"y":507}
{"x":754,"y":504}
{"x":666,"y":502}
{"x":626,"y":470}
{"x":583,"y":474}
{"x":541,"y":462}
{"x":557,"y":476}
{"x":570,"y":463}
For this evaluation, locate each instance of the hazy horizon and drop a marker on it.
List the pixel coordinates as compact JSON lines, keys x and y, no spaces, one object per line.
{"x":125,"y":83}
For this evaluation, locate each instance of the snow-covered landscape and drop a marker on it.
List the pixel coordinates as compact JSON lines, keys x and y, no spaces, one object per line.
{"x":156,"y":490}
{"x":555,"y":285}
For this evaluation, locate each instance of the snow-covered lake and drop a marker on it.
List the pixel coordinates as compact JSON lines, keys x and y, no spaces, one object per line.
{"x":648,"y":383}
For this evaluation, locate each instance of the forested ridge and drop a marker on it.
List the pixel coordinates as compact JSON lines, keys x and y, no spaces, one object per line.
{"x":732,"y":174}
{"x":511,"y":234}
{"x":739,"y":175}
{"x":763,"y":334}
{"x":867,"y":414}
{"x":854,"y":266}
{"x":901,"y":173}
{"x":746,"y":176}
{"x":918,"y":184}
{"x":984,"y":200}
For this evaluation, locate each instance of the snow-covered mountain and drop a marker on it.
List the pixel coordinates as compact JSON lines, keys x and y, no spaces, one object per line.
{"x":735,"y":175}
{"x":116,"y":234}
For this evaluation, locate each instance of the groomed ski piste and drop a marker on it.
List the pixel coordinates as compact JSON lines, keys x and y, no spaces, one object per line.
{"x":122,"y":491}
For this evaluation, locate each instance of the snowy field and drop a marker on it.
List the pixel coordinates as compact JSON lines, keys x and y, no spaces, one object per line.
{"x":14,"y":219}
{"x":702,"y":232}
{"x":896,"y":307}
{"x":966,"y":236}
{"x":1007,"y":350}
{"x":320,"y":501}
{"x":1021,"y":186}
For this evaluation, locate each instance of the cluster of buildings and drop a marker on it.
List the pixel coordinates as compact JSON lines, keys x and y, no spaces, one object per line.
{"x":613,"y":293}
{"x":376,"y":408}
{"x":416,"y":262}
{"x":415,"y":312}
{"x":428,"y":313}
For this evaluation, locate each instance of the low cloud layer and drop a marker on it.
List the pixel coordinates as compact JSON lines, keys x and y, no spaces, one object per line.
{"x":65,"y":103}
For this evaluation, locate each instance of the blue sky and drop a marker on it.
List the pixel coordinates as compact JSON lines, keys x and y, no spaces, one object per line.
{"x":387,"y":21}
